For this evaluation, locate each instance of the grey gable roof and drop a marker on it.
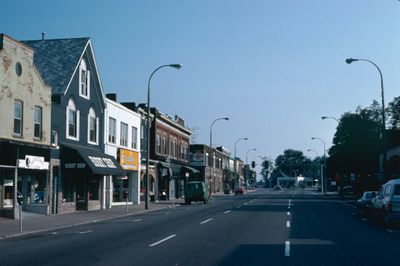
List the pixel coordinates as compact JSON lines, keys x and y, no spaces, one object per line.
{"x":56,"y":60}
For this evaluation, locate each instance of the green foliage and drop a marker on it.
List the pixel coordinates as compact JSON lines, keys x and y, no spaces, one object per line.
{"x":293,"y":162}
{"x":393,"y":113}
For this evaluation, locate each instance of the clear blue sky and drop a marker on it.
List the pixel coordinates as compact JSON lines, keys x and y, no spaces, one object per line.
{"x":273,"y":67}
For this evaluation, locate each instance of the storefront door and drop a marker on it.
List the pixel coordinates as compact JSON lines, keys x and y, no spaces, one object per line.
{"x":81,"y":194}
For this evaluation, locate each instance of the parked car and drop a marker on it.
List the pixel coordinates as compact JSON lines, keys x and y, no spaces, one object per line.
{"x":196,"y":191}
{"x":386,"y":205}
{"x":364,"y":204}
{"x":239,"y":190}
{"x":277,"y":187}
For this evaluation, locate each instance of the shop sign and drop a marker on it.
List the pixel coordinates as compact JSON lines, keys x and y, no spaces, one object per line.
{"x":102,"y":162}
{"x":198,"y":156}
{"x":74,"y":165}
{"x":129,"y":160}
{"x":33,"y":162}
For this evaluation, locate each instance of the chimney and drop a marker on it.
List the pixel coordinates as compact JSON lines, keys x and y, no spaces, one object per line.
{"x":43,"y":35}
{"x":112,"y":96}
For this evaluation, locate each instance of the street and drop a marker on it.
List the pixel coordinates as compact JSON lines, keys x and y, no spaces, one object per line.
{"x":264,"y":227}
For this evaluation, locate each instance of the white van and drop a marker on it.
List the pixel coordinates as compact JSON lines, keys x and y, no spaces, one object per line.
{"x":387,"y":204}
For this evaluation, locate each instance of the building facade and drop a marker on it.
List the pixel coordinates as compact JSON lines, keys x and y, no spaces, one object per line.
{"x":78,"y":163}
{"x":122,"y":141}
{"x":25,"y":132}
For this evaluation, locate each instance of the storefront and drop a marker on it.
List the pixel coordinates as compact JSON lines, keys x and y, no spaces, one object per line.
{"x":125,"y":189}
{"x":24,"y":171}
{"x":84,"y":171}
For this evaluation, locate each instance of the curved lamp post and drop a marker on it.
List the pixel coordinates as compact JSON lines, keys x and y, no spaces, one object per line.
{"x":247,"y":153}
{"x":236,"y":142}
{"x":330,"y":117}
{"x":324,"y":165}
{"x":221,"y":118}
{"x":213,"y":122}
{"x":383,"y":139}
{"x":177,"y":66}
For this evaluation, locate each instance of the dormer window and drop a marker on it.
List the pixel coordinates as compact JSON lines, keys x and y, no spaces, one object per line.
{"x":84,"y":80}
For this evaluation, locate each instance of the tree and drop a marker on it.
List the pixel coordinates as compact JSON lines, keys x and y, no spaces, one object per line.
{"x":356,"y":143}
{"x":293,"y":162}
{"x":393,"y":113}
{"x":266,"y":169}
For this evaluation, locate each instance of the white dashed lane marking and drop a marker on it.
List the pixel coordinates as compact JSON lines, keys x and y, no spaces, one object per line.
{"x":162,"y":240}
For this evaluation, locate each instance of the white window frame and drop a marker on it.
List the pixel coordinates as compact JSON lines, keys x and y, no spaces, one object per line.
{"x":39,"y":123}
{"x":134,"y":137}
{"x":21,"y":120}
{"x":112,"y":131}
{"x":71,"y":106}
{"x":158,"y":144}
{"x":123,"y":140}
{"x":84,"y":80}
{"x":91,"y":116}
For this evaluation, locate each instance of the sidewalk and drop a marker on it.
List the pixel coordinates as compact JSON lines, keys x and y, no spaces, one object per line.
{"x":36,"y":223}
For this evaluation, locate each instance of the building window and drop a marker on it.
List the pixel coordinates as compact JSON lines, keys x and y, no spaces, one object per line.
{"x":93,"y":127}
{"x":112,"y":130}
{"x":158,"y":144}
{"x":37,"y":122}
{"x":72,"y":121}
{"x":124,"y":135}
{"x":18,"y":69}
{"x":54,"y":138}
{"x":18,"y":122}
{"x":84,"y":80}
{"x":164,"y":146}
{"x":134,"y":138}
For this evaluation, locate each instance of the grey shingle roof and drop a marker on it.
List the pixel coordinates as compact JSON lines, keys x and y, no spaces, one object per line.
{"x":56,"y":60}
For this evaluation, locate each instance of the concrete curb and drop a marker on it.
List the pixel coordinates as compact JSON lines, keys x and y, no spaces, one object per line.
{"x":32,"y":232}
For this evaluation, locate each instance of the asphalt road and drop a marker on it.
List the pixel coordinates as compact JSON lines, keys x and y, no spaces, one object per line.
{"x":260,"y":228}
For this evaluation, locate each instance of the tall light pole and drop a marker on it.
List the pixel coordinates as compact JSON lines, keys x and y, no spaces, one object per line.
{"x":383,"y":137}
{"x":236,"y":142}
{"x":324,"y":166}
{"x":330,"y":117}
{"x":235,"y":156}
{"x":147,"y":185}
{"x":213,"y":122}
{"x":319,"y":163}
{"x":247,"y":153}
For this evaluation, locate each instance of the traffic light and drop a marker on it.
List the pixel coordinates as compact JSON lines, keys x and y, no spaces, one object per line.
{"x":253,"y":164}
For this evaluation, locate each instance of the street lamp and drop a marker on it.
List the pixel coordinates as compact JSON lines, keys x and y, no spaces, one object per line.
{"x":383,"y":139}
{"x":222,"y":118}
{"x":330,"y":117}
{"x":236,"y":144}
{"x":313,"y":151}
{"x":322,"y":170}
{"x":247,"y":153}
{"x":147,"y":185}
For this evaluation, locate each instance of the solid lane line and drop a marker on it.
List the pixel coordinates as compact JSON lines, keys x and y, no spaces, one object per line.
{"x":287,"y":248}
{"x":162,"y":240}
{"x":206,"y":221}
{"x":85,"y":232}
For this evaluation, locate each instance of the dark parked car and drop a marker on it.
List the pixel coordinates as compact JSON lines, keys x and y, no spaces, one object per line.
{"x":239,"y":190}
{"x":196,"y":191}
{"x":364,"y":204}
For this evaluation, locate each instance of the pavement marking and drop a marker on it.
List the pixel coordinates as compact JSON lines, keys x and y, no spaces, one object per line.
{"x":390,"y":231}
{"x":238,"y":207}
{"x":287,"y":248}
{"x":349,"y":205}
{"x":206,"y":221}
{"x":288,"y":213}
{"x":365,"y":219}
{"x":287,"y":224}
{"x":162,"y":240}
{"x":228,"y":211}
{"x":53,"y":233}
{"x":85,"y":232}
{"x":137,"y":220}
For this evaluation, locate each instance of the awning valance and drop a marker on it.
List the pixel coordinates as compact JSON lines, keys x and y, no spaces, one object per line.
{"x":194,"y":171}
{"x":94,"y":159}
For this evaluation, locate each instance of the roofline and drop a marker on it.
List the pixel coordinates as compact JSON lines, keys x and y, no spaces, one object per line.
{"x":16,"y":41}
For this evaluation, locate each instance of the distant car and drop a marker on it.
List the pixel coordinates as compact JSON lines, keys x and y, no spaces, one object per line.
{"x":277,"y":187}
{"x":196,"y":191}
{"x":364,"y":204}
{"x":239,"y":190}
{"x":386,"y":205}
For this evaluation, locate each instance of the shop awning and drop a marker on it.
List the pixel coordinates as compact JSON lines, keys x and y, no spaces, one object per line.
{"x":194,"y":171}
{"x":98,"y":162}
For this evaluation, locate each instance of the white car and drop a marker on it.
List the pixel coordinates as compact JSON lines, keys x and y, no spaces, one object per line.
{"x":387,"y":204}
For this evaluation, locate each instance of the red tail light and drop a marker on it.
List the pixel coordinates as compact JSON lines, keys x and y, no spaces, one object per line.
{"x":389,"y":207}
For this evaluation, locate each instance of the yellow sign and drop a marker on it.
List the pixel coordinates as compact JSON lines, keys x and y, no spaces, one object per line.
{"x":129,"y":160}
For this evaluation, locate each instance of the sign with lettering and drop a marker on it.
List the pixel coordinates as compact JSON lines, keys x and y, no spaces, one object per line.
{"x":129,"y":160}
{"x":102,"y":162}
{"x":33,"y":162}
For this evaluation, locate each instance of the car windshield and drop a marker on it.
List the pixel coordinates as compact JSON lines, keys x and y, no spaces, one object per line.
{"x":396,"y":191}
